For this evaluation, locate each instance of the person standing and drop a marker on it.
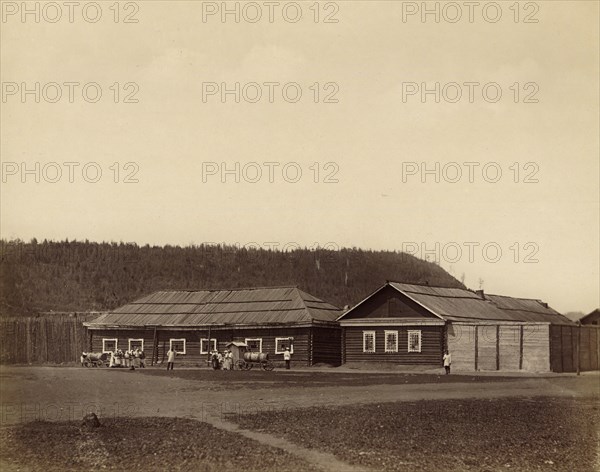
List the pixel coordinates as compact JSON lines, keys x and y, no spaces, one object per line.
{"x":214,"y":359}
{"x":136,"y":358}
{"x":142,"y":359}
{"x":228,"y":362}
{"x":287,"y":357}
{"x":447,"y":361}
{"x":171,"y":359}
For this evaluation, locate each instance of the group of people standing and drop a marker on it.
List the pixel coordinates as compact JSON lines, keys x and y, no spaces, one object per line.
{"x":133,"y":358}
{"x":221,"y":361}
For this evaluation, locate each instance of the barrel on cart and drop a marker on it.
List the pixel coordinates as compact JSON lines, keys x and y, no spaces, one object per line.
{"x":256,"y":356}
{"x":252,"y":358}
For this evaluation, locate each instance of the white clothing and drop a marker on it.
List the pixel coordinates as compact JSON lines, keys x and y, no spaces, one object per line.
{"x":171,"y":356}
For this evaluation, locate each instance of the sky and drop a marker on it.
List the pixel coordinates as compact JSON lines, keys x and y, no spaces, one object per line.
{"x":465,"y":135}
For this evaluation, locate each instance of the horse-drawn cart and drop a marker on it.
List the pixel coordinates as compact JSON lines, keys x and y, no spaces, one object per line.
{"x":245,"y":360}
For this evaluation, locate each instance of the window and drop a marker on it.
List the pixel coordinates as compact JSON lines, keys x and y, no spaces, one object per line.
{"x":204,"y":345}
{"x":414,"y":341}
{"x":282,"y":343}
{"x":391,"y":341}
{"x":178,"y":345}
{"x":254,"y":344}
{"x":109,"y":345}
{"x":135,"y":344}
{"x":393,"y":307}
{"x":368,"y":341}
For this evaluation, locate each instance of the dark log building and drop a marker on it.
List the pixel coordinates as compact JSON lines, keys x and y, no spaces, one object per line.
{"x":196,"y":322}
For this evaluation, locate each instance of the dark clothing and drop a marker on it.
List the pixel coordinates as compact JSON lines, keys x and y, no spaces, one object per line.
{"x":287,"y":365}
{"x":170,"y":365}
{"x":447,"y":369}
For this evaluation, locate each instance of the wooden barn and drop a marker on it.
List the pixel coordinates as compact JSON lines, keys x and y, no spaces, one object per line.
{"x":196,"y":322}
{"x":413,"y":324}
{"x":592,"y":318}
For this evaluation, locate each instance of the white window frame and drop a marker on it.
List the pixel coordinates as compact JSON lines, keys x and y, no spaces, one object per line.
{"x":369,"y":333}
{"x":414,"y":332}
{"x":290,"y":344}
{"x":210,"y":341}
{"x":134,"y":339}
{"x":394,"y":346}
{"x":255,"y":339}
{"x":176,"y":340}
{"x":115,"y":340}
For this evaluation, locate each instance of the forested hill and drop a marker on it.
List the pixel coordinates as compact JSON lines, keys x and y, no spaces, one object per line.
{"x":82,"y":276}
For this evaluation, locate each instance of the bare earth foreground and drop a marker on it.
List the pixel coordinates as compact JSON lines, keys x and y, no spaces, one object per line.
{"x":194,"y":419}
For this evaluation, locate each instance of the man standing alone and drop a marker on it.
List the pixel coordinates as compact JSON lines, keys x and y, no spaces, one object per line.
{"x":447,"y":361}
{"x":287,"y":357}
{"x":170,"y":358}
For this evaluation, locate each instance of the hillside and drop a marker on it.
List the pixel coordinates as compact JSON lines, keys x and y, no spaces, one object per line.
{"x":82,"y":276}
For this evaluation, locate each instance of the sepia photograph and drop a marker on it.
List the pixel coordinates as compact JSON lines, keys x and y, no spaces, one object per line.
{"x":311,"y":235}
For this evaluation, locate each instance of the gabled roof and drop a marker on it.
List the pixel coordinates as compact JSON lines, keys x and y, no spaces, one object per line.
{"x":590,"y":316}
{"x":456,"y":304}
{"x":251,"y":306}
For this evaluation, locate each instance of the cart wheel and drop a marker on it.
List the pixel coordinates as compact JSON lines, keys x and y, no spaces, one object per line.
{"x":267,"y":365}
{"x":241,"y":364}
{"x":249,"y":366}
{"x":86,"y":364}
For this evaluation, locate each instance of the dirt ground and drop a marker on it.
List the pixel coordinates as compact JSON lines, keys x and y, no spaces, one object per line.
{"x":224,"y":400}
{"x":519,"y":434}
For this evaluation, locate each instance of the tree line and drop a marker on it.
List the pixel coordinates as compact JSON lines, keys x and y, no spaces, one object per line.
{"x":88,"y":276}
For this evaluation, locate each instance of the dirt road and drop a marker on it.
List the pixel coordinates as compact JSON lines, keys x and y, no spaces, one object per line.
{"x":221,"y":399}
{"x":59,"y":394}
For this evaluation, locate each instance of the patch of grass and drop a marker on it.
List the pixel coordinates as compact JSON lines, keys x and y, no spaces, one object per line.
{"x":149,"y":444}
{"x":485,"y":435}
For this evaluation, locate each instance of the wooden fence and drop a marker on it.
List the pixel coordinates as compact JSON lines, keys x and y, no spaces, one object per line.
{"x":49,"y":338}
{"x":574,"y":348}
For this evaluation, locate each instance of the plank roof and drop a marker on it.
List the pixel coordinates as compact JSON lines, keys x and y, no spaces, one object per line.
{"x":528,"y":309}
{"x":250,"y":306}
{"x":457,"y":304}
{"x":590,"y":317}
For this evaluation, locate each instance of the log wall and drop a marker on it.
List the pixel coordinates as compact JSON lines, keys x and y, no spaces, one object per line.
{"x":301,"y":342}
{"x":432,"y":342}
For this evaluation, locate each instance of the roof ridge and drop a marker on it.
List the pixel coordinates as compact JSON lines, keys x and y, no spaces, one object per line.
{"x":515,"y":298}
{"x":313,"y":299}
{"x":224,"y":289}
{"x":223,"y":302}
{"x":299,"y":293}
{"x":474,"y":297}
{"x":424,"y":285}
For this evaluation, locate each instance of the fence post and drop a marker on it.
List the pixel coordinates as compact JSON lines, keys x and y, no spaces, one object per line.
{"x":476,"y":347}
{"x":521,"y":347}
{"x":577,"y":348}
{"x":154,"y":348}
